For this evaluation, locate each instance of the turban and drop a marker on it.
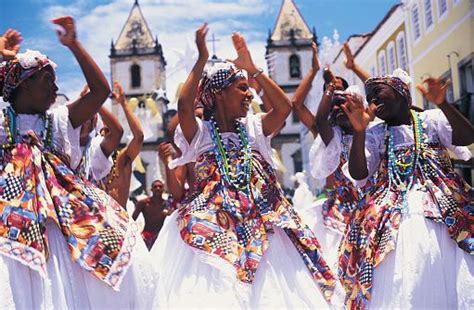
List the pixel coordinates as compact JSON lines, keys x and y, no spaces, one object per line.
{"x":15,"y":71}
{"x":216,"y":77}
{"x":398,"y":81}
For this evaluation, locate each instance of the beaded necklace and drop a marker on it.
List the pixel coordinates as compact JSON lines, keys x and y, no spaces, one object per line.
{"x":241,"y":178}
{"x":13,"y":131}
{"x":402,"y":174}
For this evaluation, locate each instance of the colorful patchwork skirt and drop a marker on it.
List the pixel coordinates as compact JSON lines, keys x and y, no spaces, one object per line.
{"x":63,"y":242}
{"x":229,"y":248}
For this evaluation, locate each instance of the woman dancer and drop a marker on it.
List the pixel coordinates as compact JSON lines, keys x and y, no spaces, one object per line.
{"x":39,"y":193}
{"x":236,"y":219}
{"x":417,"y":205}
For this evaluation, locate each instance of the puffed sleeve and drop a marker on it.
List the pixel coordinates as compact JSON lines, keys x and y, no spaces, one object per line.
{"x":66,"y":136}
{"x":188,"y":151}
{"x":100,"y":164}
{"x":324,"y":159}
{"x":262,"y":142}
{"x":437,"y":121}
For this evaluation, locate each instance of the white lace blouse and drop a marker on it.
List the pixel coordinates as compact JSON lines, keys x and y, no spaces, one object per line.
{"x":202,"y":141}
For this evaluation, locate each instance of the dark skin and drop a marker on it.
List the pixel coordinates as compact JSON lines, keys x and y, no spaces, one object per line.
{"x":120,"y":186}
{"x":233,"y":102}
{"x":326,"y":108}
{"x":38,"y":93}
{"x":434,"y":90}
{"x":391,"y":107}
{"x":304,"y":114}
{"x":152,"y":208}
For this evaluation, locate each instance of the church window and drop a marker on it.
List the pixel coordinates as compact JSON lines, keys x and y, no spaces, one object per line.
{"x":295,"y":66}
{"x":136,"y":76}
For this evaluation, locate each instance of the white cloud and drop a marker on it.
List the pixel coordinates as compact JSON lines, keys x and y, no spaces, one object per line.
{"x":173,"y":21}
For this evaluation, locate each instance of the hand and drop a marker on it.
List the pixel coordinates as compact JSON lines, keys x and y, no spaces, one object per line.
{"x":68,"y":36}
{"x":436,"y":91}
{"x":201,"y":33}
{"x":118,"y":93}
{"x":244,"y":59}
{"x":10,"y":43}
{"x":165,"y":152}
{"x":84,"y":91}
{"x":356,"y":113}
{"x":315,"y":61}
{"x":349,"y":61}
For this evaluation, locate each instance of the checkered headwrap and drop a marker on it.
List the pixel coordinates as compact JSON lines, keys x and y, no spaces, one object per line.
{"x":399,"y":81}
{"x":14,"y":72}
{"x":216,"y":77}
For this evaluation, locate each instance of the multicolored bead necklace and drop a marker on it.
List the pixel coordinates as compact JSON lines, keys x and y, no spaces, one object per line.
{"x":13,"y":133}
{"x":403,"y":174}
{"x":241,"y":178}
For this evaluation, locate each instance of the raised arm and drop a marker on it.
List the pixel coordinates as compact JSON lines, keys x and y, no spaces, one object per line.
{"x":351,"y":65}
{"x":112,"y":138}
{"x":324,"y":110}
{"x":463,"y":130}
{"x":85,"y":107}
{"x":188,"y":93}
{"x":134,"y":147}
{"x":138,"y":209}
{"x":175,"y":178}
{"x":360,"y":119}
{"x":281,"y":105}
{"x":304,"y":114}
{"x":10,"y":44}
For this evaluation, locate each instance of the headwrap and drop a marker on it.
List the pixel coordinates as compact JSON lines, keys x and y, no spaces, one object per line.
{"x":398,"y":81}
{"x":14,"y":72}
{"x":215,"y":78}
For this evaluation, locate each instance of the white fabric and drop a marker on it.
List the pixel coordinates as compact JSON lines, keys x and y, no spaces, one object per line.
{"x":69,"y":286}
{"x":186,"y":281}
{"x":437,"y":130}
{"x":324,"y":159}
{"x":427,"y":270}
{"x":100,"y":164}
{"x":65,"y":137}
{"x":329,"y":239}
{"x":202,"y":141}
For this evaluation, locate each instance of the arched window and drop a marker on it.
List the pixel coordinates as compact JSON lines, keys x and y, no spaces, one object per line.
{"x":295,"y":66}
{"x":382,"y":63}
{"x":136,"y":76}
{"x":392,"y":58}
{"x":402,"y":52}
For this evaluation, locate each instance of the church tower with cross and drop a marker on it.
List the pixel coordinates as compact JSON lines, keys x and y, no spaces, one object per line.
{"x":289,"y":55}
{"x":138,"y":64}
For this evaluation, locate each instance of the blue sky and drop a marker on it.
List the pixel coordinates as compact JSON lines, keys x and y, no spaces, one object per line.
{"x":174,"y":21}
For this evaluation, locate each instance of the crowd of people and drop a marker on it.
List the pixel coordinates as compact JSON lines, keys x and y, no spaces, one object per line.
{"x":395,"y":229}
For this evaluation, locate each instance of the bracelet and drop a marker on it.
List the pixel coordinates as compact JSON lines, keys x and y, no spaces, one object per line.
{"x":260,"y":71}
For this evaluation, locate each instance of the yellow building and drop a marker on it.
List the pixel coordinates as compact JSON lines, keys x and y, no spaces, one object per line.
{"x":382,"y":50}
{"x":441,"y":44}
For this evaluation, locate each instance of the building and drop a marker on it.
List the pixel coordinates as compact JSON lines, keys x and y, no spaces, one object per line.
{"x":289,"y":53}
{"x":381,"y":51}
{"x":138,"y":64}
{"x":441,"y":33}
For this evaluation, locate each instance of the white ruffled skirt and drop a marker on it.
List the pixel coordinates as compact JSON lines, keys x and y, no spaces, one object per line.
{"x":328,"y":238}
{"x":190,"y":278}
{"x":68,"y":286}
{"x":427,"y":270}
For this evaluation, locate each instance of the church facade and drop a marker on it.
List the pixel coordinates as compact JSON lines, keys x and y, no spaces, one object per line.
{"x":138,"y":64}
